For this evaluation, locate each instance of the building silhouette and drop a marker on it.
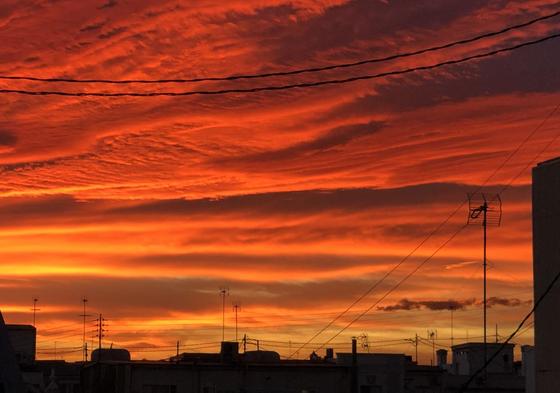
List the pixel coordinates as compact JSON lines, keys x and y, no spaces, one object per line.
{"x":546,"y":264}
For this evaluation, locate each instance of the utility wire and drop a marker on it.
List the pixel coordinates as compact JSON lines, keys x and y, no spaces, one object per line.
{"x":282,"y":87}
{"x":297,"y":71}
{"x":494,"y":172}
{"x":380,"y":281}
{"x":539,"y":154}
{"x":512,"y":335}
{"x":395,"y":287}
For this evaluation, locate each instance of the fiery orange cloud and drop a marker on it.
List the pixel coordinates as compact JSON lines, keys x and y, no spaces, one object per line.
{"x":298,"y":200}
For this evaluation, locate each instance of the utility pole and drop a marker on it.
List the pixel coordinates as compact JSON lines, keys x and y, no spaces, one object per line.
{"x":497,"y":334}
{"x":244,"y":343}
{"x":223,"y":294}
{"x":236,"y":308}
{"x":434,"y":351}
{"x":35,"y":309}
{"x":100,"y":334}
{"x":416,"y":347}
{"x":491,"y":211}
{"x":84,"y":315}
{"x":177,"y":350}
{"x":100,"y":331}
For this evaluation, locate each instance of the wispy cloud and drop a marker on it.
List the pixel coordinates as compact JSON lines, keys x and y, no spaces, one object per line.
{"x":294,"y":198}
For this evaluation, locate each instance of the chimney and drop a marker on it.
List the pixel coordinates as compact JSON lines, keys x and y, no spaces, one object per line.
{"x":354,"y":376}
{"x":330,"y":354}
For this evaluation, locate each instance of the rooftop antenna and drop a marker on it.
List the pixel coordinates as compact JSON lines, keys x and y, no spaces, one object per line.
{"x":35,"y":309}
{"x":432,"y":335}
{"x":485,"y":210}
{"x":236,"y":308}
{"x":364,"y":341}
{"x":223,"y":293}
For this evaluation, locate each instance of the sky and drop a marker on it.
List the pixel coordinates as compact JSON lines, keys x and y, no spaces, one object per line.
{"x":297,"y":201}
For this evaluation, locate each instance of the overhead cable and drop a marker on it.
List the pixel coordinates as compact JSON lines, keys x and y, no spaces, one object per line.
{"x":302,"y":85}
{"x":296,"y":71}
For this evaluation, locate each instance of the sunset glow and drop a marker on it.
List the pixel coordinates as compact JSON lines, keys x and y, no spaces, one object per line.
{"x":296,"y":200}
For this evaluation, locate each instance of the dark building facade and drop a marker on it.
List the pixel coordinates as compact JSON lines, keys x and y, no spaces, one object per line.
{"x":546,"y":264}
{"x":193,"y":377}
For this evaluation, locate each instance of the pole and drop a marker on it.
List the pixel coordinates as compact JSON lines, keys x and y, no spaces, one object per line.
{"x":432,"y":336}
{"x":236,"y":309}
{"x":452,"y":327}
{"x":84,"y":315}
{"x":416,"y":345}
{"x":35,"y":309}
{"x":354,"y":381}
{"x":485,"y":266}
{"x":244,"y":343}
{"x":223,"y":292}
{"x":177,"y":350}
{"x":433,"y":350}
{"x":84,"y":332}
{"x":99,"y":336}
{"x":497,"y":334}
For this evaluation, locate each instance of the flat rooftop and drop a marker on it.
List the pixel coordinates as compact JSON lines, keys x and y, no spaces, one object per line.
{"x":12,"y":327}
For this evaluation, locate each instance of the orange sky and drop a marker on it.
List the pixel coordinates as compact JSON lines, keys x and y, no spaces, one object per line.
{"x":296,"y":200}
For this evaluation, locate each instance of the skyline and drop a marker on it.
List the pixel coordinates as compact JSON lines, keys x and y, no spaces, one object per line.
{"x":296,"y":200}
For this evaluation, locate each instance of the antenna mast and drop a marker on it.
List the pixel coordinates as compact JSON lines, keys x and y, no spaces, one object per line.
{"x":485,"y":209}
{"x":35,"y":309}
{"x":236,"y":308}
{"x":223,"y":293}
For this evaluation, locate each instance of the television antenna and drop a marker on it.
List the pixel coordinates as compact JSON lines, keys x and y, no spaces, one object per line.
{"x":485,"y":210}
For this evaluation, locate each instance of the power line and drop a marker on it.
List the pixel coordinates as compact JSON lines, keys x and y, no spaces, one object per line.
{"x":282,"y":87}
{"x":395,"y":287}
{"x":494,"y":172}
{"x":381,"y":280}
{"x":529,"y":326}
{"x":518,"y":149}
{"x":541,"y":152}
{"x":512,"y":335}
{"x":523,"y":143}
{"x":297,"y":71}
{"x":459,"y":230}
